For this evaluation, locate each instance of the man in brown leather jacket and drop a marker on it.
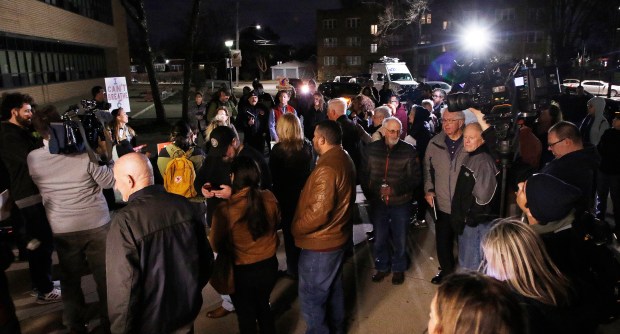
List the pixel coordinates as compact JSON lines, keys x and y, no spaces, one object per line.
{"x":322,"y":228}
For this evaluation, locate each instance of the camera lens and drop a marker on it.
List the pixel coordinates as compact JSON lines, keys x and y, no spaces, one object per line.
{"x":459,"y":101}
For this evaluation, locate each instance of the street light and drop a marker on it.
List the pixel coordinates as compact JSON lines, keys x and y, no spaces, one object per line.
{"x":475,"y":38}
{"x":229,"y":44}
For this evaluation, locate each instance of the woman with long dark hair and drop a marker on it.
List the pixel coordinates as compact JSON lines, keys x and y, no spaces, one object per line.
{"x":182,"y":139}
{"x":248,"y":219}
{"x":291,"y":160}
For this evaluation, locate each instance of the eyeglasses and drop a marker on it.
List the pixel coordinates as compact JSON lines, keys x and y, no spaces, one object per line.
{"x":437,"y":96}
{"x":557,"y":142}
{"x":392,"y":131}
{"x":450,"y":120}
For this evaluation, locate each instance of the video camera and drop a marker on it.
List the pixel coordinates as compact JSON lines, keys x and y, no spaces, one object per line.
{"x":79,"y":131}
{"x":503,"y":93}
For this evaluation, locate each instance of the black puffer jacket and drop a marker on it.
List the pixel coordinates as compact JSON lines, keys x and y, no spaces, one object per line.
{"x":158,"y":260}
{"x":403,"y":171}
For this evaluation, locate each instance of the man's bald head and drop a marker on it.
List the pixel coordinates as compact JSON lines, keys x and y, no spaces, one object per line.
{"x":132,"y":173}
{"x":336,"y":108}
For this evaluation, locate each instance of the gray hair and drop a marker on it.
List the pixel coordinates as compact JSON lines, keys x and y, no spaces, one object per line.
{"x":392,"y":119}
{"x":383,"y":110}
{"x":339,"y":105}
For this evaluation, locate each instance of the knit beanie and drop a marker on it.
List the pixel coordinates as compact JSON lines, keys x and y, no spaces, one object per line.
{"x":549,"y":198}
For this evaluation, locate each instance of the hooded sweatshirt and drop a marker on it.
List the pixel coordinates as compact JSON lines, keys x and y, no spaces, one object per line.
{"x":593,"y":126}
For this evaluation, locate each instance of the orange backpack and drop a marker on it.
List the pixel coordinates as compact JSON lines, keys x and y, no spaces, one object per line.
{"x":179,"y":175}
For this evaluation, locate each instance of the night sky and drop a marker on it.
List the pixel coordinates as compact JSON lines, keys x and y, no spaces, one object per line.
{"x":293,"y":20}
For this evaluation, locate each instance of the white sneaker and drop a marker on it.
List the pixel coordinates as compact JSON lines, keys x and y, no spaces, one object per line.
{"x":35,"y":292}
{"x":53,"y":296}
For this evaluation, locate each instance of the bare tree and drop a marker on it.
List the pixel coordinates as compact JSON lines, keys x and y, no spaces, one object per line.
{"x":399,"y":13}
{"x":261,"y":62}
{"x":189,"y":56}
{"x":135,"y":12}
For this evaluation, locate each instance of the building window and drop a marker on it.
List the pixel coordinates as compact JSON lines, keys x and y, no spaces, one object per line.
{"x":425,"y":19}
{"x":506,"y":36}
{"x":354,"y":41}
{"x":354,"y":60}
{"x":353,"y":22}
{"x":423,"y":59}
{"x":395,"y":40}
{"x":374,"y":29}
{"x":535,"y":36}
{"x":330,"y":42}
{"x":373,"y":48}
{"x":425,"y":39}
{"x":25,"y":62}
{"x":536,"y":14}
{"x":329,"y":24}
{"x":330,"y":60}
{"x":446,"y":25}
{"x":99,"y":10}
{"x":505,"y":14}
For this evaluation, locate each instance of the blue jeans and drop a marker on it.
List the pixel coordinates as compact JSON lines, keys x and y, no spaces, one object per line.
{"x":321,"y":293}
{"x":390,"y":223}
{"x":470,"y":252}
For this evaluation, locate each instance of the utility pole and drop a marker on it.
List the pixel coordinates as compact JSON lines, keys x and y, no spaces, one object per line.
{"x":237,"y":45}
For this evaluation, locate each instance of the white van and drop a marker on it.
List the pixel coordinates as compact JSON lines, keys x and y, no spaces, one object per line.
{"x":392,"y":71}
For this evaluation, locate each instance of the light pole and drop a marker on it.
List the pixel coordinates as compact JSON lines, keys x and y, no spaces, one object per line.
{"x":237,"y":45}
{"x":229,"y":44}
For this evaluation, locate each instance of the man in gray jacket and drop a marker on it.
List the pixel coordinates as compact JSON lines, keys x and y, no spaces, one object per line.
{"x":442,"y":163}
{"x":70,"y":186}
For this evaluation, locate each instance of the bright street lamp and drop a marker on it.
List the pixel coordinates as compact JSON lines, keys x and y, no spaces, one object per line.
{"x":475,"y":38}
{"x":229,"y":44}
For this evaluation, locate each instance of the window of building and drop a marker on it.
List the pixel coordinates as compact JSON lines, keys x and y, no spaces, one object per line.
{"x":395,"y":40}
{"x":506,"y":36}
{"x":330,"y":42}
{"x":446,"y":25}
{"x":353,"y":22}
{"x":425,"y":19}
{"x":330,"y":60}
{"x":373,"y":29}
{"x":329,"y":24}
{"x":354,"y":60}
{"x":536,"y":14}
{"x":100,"y":10}
{"x":354,"y":41}
{"x":425,"y":39}
{"x":25,"y":62}
{"x":535,"y":36}
{"x":505,"y":14}
{"x":373,"y":48}
{"x":423,"y":59}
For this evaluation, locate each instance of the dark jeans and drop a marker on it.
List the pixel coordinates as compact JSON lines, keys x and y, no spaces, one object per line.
{"x":253,"y":285}
{"x":608,"y":183}
{"x":444,"y":239}
{"x":39,"y":260}
{"x":79,"y":253}
{"x":321,"y":293}
{"x":292,"y":251}
{"x":390,"y":247}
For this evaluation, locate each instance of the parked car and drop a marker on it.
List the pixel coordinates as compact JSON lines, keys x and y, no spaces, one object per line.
{"x":343,"y":78}
{"x":332,"y":90}
{"x":598,"y":87}
{"x":570,"y":83}
{"x":439,"y":84}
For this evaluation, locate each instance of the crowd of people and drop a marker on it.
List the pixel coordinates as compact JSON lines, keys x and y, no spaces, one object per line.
{"x":293,"y":163}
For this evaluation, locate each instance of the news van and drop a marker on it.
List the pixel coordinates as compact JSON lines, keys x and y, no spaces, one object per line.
{"x":393,"y":71}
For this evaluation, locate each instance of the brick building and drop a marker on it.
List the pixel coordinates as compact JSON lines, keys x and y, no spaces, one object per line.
{"x":347,"y":41}
{"x":58,"y":49}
